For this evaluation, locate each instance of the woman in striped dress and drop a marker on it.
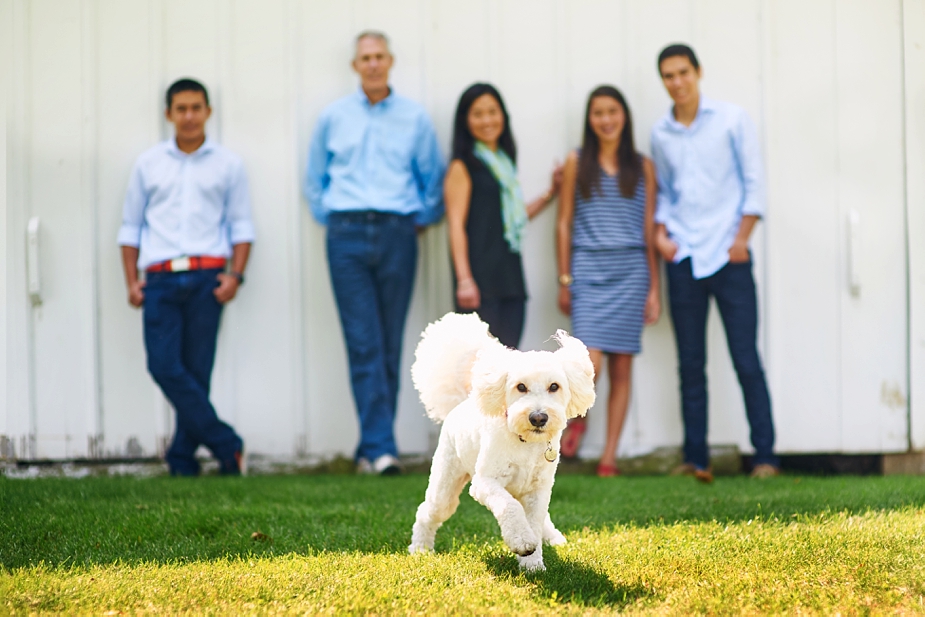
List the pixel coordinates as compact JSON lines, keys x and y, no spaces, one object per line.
{"x":608,"y":274}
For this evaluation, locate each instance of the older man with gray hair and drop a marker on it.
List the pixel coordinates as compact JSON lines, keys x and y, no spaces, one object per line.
{"x":374,"y":178}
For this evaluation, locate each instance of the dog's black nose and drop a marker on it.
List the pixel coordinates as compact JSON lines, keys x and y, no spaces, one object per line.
{"x":538,"y":418}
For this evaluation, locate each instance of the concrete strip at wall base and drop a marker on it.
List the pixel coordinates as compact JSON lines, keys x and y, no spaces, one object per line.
{"x":726,"y":460}
{"x":905,"y":464}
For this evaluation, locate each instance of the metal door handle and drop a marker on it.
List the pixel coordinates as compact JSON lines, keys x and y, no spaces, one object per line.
{"x":854,"y":246}
{"x":32,"y":261}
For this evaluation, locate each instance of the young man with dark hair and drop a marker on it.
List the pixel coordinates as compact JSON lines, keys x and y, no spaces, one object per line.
{"x":374,"y":177}
{"x":679,"y":50}
{"x":186,"y":215}
{"x":710,"y":196}
{"x":186,"y":85}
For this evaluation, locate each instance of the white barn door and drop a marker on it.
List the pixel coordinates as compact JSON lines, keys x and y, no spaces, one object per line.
{"x":836,"y":233}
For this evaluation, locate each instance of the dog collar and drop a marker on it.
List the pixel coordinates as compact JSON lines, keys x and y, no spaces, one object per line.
{"x":550,"y":454}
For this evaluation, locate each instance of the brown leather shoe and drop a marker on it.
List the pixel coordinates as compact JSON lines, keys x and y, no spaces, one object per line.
{"x":689,"y":469}
{"x":764,"y":470}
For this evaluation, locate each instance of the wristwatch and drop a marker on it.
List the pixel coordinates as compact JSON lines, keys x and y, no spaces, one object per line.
{"x":237,"y":275}
{"x":565,"y":279}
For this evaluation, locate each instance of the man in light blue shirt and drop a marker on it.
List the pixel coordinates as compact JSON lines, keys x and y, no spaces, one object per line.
{"x":711,"y":194}
{"x":186,"y":215}
{"x":374,"y":177}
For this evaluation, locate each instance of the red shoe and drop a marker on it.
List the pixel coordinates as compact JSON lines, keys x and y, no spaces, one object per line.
{"x":571,"y":438}
{"x":607,"y":471}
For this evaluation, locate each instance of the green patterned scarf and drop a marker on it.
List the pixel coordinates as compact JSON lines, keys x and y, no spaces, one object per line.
{"x":513,"y":210}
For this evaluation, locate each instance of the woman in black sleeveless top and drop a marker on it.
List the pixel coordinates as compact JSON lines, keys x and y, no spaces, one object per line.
{"x":486,"y":213}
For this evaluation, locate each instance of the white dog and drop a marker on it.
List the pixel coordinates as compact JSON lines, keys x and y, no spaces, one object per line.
{"x":503,"y":413}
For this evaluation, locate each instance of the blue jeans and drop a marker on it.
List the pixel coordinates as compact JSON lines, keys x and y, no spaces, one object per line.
{"x":733,"y":287}
{"x":372,"y":258}
{"x":181,"y":317}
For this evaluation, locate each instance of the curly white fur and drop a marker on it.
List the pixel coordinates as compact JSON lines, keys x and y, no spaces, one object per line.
{"x":502,"y":410}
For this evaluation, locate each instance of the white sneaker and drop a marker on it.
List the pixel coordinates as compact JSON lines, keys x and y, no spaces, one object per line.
{"x":241,"y":457}
{"x":387,"y":465}
{"x":364,"y":467}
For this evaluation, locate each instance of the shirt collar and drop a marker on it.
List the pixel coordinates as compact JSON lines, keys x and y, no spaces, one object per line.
{"x":207,"y":146}
{"x":705,"y":107}
{"x":364,"y":100}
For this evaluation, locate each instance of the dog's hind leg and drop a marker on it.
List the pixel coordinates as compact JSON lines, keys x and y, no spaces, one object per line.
{"x":447,"y":480}
{"x":551,"y":535}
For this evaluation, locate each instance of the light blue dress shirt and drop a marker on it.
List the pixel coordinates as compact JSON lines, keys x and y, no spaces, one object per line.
{"x":181,"y":204}
{"x":380,"y":157}
{"x":709,"y":176}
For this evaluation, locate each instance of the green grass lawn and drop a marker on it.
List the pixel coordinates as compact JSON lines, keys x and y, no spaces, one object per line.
{"x":338,"y":544}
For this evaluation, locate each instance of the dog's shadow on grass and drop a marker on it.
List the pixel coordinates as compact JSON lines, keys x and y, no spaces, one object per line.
{"x":568,"y":582}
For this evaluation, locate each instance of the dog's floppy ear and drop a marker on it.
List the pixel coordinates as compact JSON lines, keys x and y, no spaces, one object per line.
{"x":580,"y":372}
{"x":489,"y":381}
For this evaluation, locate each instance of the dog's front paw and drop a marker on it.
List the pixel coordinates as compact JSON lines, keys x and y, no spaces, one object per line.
{"x":523,"y":543}
{"x":420,"y":547}
{"x":532,"y":562}
{"x":422,"y":538}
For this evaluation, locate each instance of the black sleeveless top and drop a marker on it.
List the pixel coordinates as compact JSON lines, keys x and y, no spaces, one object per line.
{"x":497,"y":270}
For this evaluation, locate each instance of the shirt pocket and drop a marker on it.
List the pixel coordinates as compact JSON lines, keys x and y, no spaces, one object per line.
{"x":397,"y":147}
{"x":717,"y":160}
{"x":343,"y":146}
{"x":207,"y":203}
{"x":165,"y":206}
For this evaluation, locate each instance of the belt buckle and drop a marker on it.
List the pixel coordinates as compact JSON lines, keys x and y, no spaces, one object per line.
{"x":180,"y":264}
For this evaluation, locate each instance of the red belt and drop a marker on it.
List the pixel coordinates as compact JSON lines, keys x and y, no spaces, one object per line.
{"x":182,"y":264}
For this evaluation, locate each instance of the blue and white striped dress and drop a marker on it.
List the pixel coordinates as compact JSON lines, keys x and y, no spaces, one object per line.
{"x":609,"y":267}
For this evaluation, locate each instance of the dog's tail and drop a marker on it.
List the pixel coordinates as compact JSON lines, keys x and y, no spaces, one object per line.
{"x":442,"y":369}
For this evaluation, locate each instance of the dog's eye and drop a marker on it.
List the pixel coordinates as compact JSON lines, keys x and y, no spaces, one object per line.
{"x":553,"y":387}
{"x":521,"y":387}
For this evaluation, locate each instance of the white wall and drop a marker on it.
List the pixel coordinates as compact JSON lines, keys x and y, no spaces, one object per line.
{"x":5,"y":42}
{"x":914,"y":104}
{"x":86,"y":85}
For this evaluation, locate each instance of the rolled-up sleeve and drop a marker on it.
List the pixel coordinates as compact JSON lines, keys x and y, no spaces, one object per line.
{"x":238,"y":207}
{"x":748,"y":155}
{"x":133,"y":210}
{"x":316,"y":172}
{"x":428,"y":168}
{"x":663,"y":200}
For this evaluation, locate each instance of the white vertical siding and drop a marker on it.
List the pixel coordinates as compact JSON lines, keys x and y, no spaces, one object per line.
{"x":870,"y":145}
{"x":19,"y":409}
{"x":60,"y":134}
{"x":130,"y":119}
{"x":914,"y":113}
{"x":6,"y":41}
{"x":804,"y":276}
{"x":85,"y":97}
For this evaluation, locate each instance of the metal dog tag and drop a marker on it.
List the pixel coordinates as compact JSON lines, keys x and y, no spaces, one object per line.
{"x":550,"y":454}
